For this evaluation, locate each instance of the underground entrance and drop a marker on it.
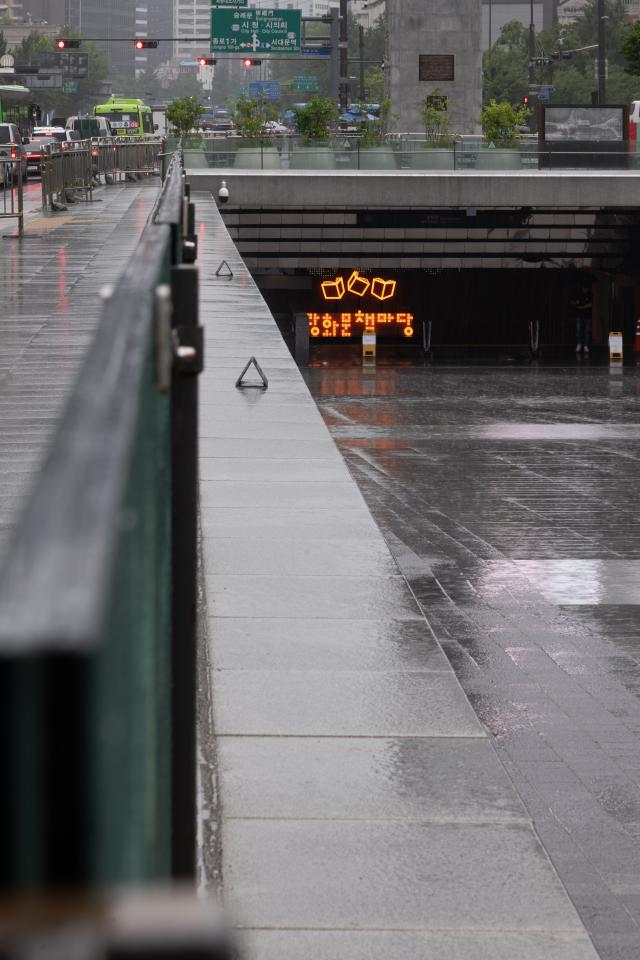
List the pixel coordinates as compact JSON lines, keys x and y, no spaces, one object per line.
{"x":463,"y":314}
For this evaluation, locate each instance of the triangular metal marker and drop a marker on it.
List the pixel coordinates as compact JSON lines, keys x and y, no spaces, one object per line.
{"x":224,"y":276}
{"x":261,"y":386}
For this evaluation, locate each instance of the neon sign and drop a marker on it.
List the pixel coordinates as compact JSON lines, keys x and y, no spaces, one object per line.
{"x":346,"y":325}
{"x":360,"y":286}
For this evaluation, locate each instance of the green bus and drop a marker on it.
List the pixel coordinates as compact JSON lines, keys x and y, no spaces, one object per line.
{"x":128,"y":117}
{"x":16,"y":107}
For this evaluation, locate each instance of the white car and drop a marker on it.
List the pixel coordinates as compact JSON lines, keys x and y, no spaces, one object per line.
{"x":272,"y":126}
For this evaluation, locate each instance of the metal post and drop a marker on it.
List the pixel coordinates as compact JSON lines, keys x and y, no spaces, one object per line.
{"x":344,"y":56}
{"x":532,"y":51}
{"x":533,"y":96}
{"x":602,"y":54}
{"x":335,"y":53}
{"x":184,"y":430}
{"x":20,"y":202}
{"x":361,"y":39}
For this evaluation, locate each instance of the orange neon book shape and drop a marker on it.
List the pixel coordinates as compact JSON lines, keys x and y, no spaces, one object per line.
{"x":383,"y":289}
{"x":333,"y":289}
{"x":357,"y":284}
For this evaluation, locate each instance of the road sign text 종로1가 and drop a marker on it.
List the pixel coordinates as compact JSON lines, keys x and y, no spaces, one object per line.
{"x":255,"y":31}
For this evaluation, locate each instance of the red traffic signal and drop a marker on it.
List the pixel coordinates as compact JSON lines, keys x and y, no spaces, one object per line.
{"x":525,"y":101}
{"x":64,"y":43}
{"x":145,"y":44}
{"x":206,"y":61}
{"x":249,"y":62}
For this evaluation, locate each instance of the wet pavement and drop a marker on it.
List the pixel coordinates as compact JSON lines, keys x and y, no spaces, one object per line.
{"x":507,"y":498}
{"x":49,"y":307}
{"x":359,"y":804}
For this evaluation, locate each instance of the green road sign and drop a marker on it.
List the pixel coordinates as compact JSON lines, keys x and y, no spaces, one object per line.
{"x":255,"y":31}
{"x":308,"y":84}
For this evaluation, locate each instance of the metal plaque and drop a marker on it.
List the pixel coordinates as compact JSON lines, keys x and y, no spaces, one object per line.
{"x":437,"y":68}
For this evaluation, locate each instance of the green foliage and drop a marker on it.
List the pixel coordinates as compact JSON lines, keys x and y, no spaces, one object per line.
{"x":184,"y":116}
{"x":631,"y":49}
{"x":316,"y":119}
{"x":500,"y":122}
{"x":506,"y":64}
{"x":436,"y":121}
{"x":248,"y":117}
{"x":30,"y":51}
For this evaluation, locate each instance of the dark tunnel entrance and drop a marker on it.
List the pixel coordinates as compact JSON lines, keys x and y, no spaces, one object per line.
{"x":471,"y":312}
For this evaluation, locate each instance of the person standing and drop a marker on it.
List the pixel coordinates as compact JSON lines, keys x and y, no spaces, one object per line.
{"x":582,"y":305}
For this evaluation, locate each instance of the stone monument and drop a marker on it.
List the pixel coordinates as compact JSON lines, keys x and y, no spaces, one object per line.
{"x":434,"y":45}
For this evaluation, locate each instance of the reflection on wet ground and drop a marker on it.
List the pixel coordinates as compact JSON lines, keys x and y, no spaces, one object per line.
{"x":508,"y":498}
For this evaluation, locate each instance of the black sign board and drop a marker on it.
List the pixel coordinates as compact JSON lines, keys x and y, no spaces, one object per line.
{"x":74,"y":65}
{"x":437,"y":67}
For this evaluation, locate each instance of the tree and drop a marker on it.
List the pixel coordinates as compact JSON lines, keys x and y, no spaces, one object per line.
{"x":3,"y":44}
{"x":29,"y":53}
{"x":435,"y":116}
{"x":248,"y":117}
{"x":184,"y":116}
{"x":500,"y":122}
{"x":631,"y":49}
{"x":316,"y":119}
{"x":506,"y":64}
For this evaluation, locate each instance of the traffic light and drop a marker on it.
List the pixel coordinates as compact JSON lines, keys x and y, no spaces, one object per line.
{"x":249,"y":62}
{"x":206,"y":61}
{"x":525,"y":101}
{"x":145,"y":44}
{"x":65,"y":43}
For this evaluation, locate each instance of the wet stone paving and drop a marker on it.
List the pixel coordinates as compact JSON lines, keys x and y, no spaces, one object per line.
{"x":50,"y":306}
{"x":508,"y":499}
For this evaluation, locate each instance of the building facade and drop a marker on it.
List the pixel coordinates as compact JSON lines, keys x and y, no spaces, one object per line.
{"x":112,"y":19}
{"x":153,"y":20}
{"x":434,"y":47}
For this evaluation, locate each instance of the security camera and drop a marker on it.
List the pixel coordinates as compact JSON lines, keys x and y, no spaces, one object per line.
{"x":223,"y":192}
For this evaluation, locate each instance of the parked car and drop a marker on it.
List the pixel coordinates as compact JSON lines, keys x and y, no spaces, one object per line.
{"x":12,"y":148}
{"x":272,"y":126}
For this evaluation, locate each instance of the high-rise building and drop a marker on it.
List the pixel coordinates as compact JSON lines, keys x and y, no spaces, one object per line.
{"x":112,"y":19}
{"x":191,"y":18}
{"x":154,"y":21}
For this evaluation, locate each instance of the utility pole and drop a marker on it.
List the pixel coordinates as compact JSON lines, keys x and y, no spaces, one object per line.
{"x":533,"y":93}
{"x":602,"y":54}
{"x":335,"y":58}
{"x":344,"y":56}
{"x":361,"y":38}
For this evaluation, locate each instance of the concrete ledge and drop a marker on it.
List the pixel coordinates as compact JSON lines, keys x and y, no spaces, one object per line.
{"x":371,"y":189}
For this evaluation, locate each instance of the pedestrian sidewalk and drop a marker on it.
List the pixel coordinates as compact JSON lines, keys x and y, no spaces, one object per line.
{"x":49,"y":308}
{"x":364,"y":811}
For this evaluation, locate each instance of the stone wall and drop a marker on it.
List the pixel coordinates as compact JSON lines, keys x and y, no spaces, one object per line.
{"x":428,"y":29}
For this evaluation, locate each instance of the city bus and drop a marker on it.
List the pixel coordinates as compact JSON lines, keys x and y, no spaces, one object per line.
{"x":16,"y":107}
{"x":128,"y":117}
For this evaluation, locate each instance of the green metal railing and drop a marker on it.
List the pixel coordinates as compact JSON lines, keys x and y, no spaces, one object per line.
{"x":98,"y":599}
